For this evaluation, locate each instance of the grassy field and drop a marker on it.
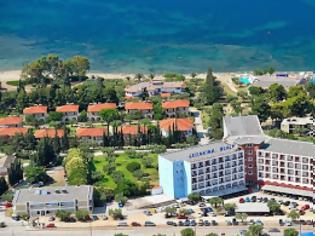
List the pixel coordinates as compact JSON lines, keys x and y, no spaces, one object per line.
{"x":13,"y":83}
{"x":121,"y":163}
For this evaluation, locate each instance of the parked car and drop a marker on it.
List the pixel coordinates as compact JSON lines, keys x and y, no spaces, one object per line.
{"x":213,"y":222}
{"x":170,"y":222}
{"x":3,"y":224}
{"x":243,"y":232}
{"x":51,"y":225}
{"x":274,"y":230}
{"x":149,"y":223}
{"x":241,"y":200}
{"x":206,"y":223}
{"x":52,"y":218}
{"x":187,"y":223}
{"x":247,"y":199}
{"x":135,"y":224}
{"x":122,"y":224}
{"x":253,"y":198}
{"x":193,"y":223}
{"x":201,"y":223}
{"x":181,"y":223}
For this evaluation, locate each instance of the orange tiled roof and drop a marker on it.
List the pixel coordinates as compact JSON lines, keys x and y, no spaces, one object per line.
{"x":35,"y":110}
{"x":138,"y":106}
{"x":12,"y":131}
{"x":175,"y":104}
{"x":132,"y":129}
{"x":180,"y":124}
{"x":49,"y":133}
{"x":90,"y":132}
{"x":165,"y":95}
{"x":68,"y":108}
{"x":101,"y":106}
{"x":11,"y":120}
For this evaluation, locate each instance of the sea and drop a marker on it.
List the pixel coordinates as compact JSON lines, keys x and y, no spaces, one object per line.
{"x":157,"y":36}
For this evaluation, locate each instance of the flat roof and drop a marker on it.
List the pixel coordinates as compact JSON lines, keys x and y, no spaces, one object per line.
{"x":291,"y":147}
{"x":253,"y":207}
{"x":292,"y":191}
{"x":242,"y":126}
{"x":200,"y":152}
{"x":53,"y":194}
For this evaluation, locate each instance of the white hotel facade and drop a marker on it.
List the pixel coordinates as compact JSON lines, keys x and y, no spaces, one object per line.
{"x":246,"y":157}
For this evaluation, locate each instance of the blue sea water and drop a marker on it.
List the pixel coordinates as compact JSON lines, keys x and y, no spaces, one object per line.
{"x":161,"y":35}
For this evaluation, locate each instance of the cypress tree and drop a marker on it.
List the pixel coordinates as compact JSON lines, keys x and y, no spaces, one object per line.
{"x":3,"y":185}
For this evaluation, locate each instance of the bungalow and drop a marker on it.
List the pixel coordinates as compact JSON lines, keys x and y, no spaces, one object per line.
{"x":94,"y":135}
{"x":11,"y":121}
{"x":177,"y":108}
{"x":155,"y":87}
{"x":39,"y":112}
{"x":183,"y":125}
{"x":70,"y":112}
{"x":131,"y":132}
{"x":10,"y":132}
{"x":144,"y":108}
{"x":48,"y":133}
{"x":93,"y":111}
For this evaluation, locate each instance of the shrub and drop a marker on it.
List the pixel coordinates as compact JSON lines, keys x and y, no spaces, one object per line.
{"x":82,"y":215}
{"x":63,"y":215}
{"x":133,"y":166}
{"x":116,"y":214}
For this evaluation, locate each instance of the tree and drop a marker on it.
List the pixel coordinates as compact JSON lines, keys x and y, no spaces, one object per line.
{"x":82,"y":215}
{"x":120,"y":234}
{"x":229,"y":207}
{"x":211,"y":89}
{"x":216,"y":201}
{"x":3,"y":185}
{"x":260,"y":107}
{"x":121,"y":198}
{"x":54,"y":116}
{"x":256,"y":91}
{"x":290,"y":232}
{"x":133,"y":166}
{"x":45,"y":154}
{"x":255,"y":230}
{"x":277,"y":92}
{"x":241,"y":216}
{"x":77,"y":65}
{"x":15,"y":172}
{"x":274,"y":206}
{"x":76,"y":167}
{"x":212,"y":234}
{"x":294,"y":215}
{"x":216,"y":121}
{"x":194,"y":197}
{"x":109,"y":115}
{"x":187,"y":232}
{"x":170,"y":211}
{"x":35,"y":174}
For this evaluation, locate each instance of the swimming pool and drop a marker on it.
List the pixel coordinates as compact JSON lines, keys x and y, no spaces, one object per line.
{"x":244,"y":80}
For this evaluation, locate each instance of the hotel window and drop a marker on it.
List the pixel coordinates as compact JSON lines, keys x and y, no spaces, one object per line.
{"x":249,"y":152}
{"x":250,"y":173}
{"x":250,"y":159}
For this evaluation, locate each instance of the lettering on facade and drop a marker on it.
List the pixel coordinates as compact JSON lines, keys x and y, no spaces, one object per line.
{"x":211,"y":150}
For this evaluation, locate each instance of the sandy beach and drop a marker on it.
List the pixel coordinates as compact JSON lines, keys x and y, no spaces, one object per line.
{"x":224,"y":77}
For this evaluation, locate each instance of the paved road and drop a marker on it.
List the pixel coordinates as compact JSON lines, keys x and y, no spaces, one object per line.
{"x":141,"y":231}
{"x":201,"y":131}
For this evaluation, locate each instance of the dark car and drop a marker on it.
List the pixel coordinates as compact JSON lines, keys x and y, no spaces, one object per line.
{"x":135,"y":224}
{"x":286,"y":203}
{"x":253,"y":198}
{"x":213,"y":222}
{"x":187,"y":223}
{"x":193,"y":223}
{"x":170,"y":222}
{"x":181,"y":223}
{"x":206,"y":223}
{"x":3,"y":224}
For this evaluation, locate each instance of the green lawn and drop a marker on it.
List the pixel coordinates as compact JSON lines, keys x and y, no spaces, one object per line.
{"x":13,"y":82}
{"x":121,"y":163}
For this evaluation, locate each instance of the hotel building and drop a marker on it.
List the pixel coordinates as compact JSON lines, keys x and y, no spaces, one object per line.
{"x":216,"y":169}
{"x":245,"y":158}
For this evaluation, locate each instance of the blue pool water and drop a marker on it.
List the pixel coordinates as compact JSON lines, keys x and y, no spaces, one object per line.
{"x":244,"y":80}
{"x":162,"y":35}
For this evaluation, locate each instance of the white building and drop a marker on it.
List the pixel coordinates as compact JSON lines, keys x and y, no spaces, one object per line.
{"x":46,"y":201}
{"x":303,"y":125}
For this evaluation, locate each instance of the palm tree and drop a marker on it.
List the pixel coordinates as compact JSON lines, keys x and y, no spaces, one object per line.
{"x":290,"y":232}
{"x":139,"y":76}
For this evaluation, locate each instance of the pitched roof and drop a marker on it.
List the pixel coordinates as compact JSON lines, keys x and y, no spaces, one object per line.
{"x":180,"y":124}
{"x":12,"y":131}
{"x":49,"y":133}
{"x":11,"y":120}
{"x":138,"y":106}
{"x":90,"y":132}
{"x":174,"y":84}
{"x":175,"y":104}
{"x":101,"y":106}
{"x":165,"y":95}
{"x":35,"y":110}
{"x":132,"y":129}
{"x":68,"y":108}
